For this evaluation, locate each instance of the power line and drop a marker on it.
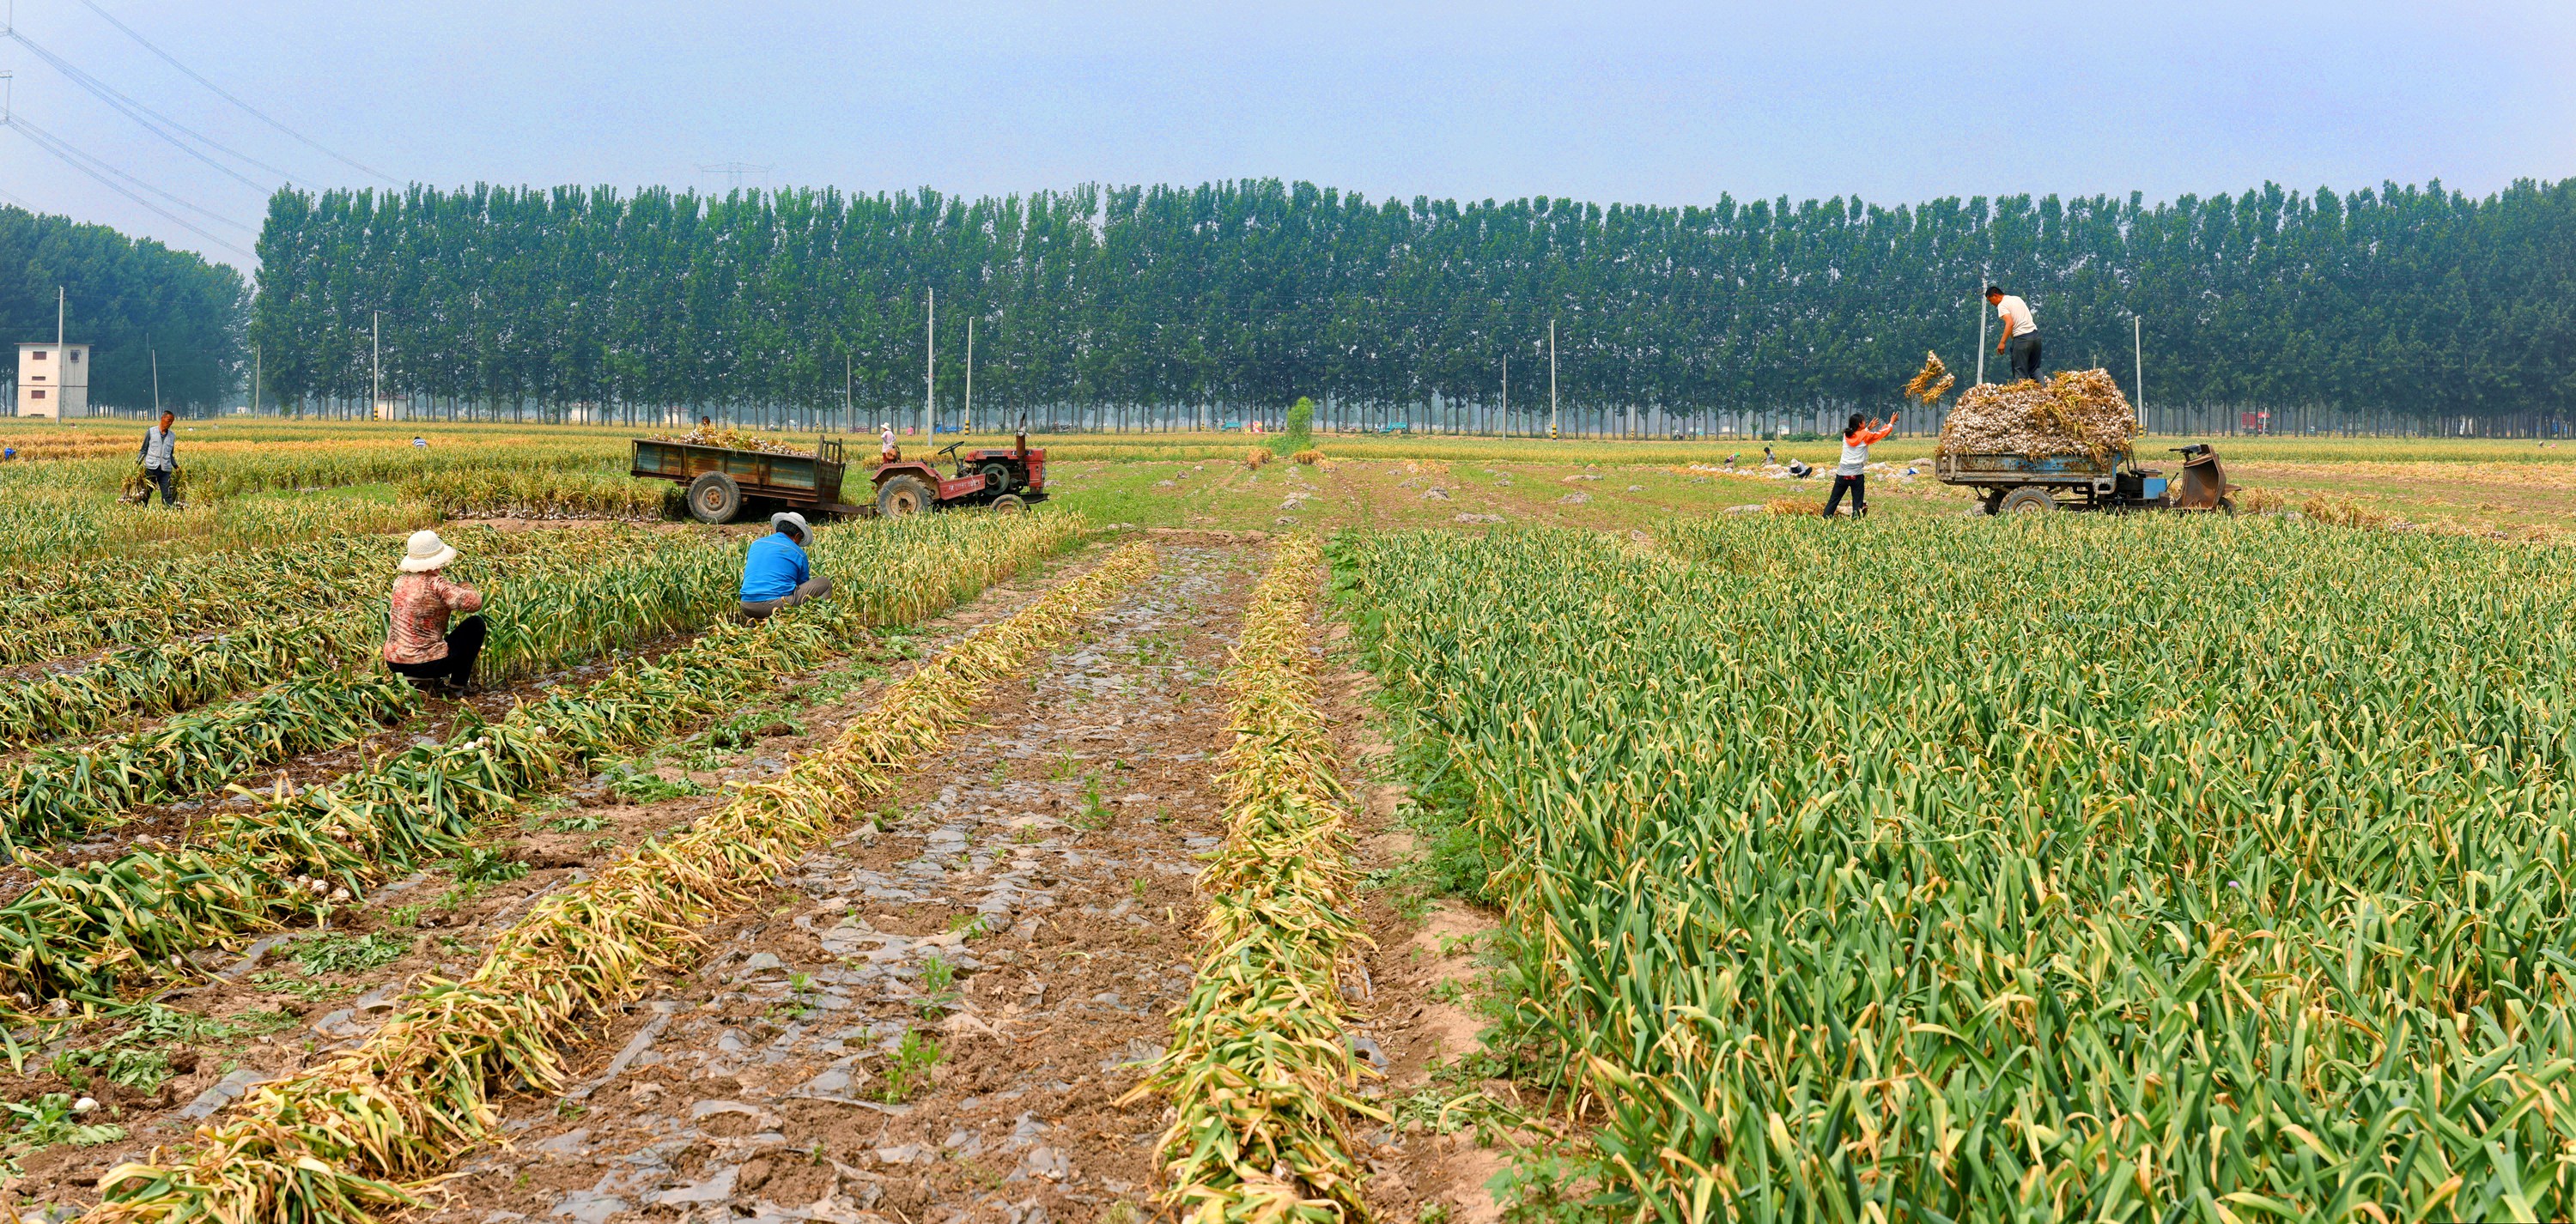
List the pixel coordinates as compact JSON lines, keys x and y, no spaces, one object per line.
{"x":154,"y":121}
{"x":43,"y":136}
{"x":73,"y":160}
{"x":220,"y":92}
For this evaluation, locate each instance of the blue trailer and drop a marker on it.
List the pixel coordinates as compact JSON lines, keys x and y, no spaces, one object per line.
{"x":2113,"y":481}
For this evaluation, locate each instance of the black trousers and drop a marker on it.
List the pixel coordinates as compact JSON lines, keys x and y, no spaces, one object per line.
{"x":1859,"y":486}
{"x":464,"y":642}
{"x":2025,"y":356}
{"x":160,"y":478}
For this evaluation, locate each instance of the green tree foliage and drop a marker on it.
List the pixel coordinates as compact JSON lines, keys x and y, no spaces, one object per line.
{"x":2416,"y":301}
{"x":1301,"y":422}
{"x":128,"y":298}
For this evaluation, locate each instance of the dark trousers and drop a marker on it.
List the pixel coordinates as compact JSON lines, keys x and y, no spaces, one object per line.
{"x":464,"y":642}
{"x":1859,"y":486}
{"x":2025,"y":356}
{"x":812,"y":588}
{"x":160,"y":478}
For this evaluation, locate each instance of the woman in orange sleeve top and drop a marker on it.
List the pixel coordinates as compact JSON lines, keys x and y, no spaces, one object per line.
{"x":1853,"y":472}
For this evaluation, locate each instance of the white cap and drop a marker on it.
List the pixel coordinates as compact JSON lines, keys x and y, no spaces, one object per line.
{"x":424,"y":552}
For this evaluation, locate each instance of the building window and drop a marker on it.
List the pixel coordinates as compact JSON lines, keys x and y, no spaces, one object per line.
{"x":38,"y":393}
{"x":40,"y":355}
{"x":72,"y":356}
{"x":35,"y":378}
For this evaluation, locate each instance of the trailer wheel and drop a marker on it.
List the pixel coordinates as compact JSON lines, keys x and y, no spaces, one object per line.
{"x":1009,"y":504}
{"x":2227,"y":506}
{"x":714,"y":498}
{"x":904,"y":495}
{"x":2026,"y":498}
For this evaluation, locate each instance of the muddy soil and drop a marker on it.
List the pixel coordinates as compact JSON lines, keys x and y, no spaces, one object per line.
{"x":1419,"y":972}
{"x":270,"y":1014}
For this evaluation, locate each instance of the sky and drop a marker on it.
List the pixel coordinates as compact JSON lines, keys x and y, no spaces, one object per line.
{"x":1660,"y":104}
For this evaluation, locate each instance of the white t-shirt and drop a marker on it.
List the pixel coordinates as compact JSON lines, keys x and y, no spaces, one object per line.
{"x":2016,"y":316}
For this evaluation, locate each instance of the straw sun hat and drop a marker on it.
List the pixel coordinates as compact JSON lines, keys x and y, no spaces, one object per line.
{"x":425,"y":552}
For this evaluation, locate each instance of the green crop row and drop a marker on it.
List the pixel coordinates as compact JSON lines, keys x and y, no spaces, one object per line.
{"x":543,"y":494}
{"x":54,"y":791}
{"x":2134,"y":869}
{"x":597,"y":593}
{"x":585,"y":593}
{"x":68,"y":607}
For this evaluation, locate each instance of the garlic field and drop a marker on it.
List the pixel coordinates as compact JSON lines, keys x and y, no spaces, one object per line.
{"x":148,"y":700}
{"x":2136,"y":869}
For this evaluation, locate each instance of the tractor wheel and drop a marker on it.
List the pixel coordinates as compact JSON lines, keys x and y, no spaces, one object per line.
{"x":1009,"y":504}
{"x":714,"y":498}
{"x":2227,"y":506}
{"x":2030,"y":498}
{"x":905,"y":495}
{"x":997,"y":477}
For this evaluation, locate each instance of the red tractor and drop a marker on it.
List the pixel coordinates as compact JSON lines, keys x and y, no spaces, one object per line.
{"x":1006,"y":479}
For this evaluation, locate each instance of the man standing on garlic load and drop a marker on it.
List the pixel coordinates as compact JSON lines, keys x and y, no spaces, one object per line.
{"x":2021,"y":332}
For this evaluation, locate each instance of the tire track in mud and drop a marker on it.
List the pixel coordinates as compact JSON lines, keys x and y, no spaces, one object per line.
{"x":1024,"y":904}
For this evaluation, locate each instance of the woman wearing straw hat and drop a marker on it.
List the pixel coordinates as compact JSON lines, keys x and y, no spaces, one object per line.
{"x":418,"y":642}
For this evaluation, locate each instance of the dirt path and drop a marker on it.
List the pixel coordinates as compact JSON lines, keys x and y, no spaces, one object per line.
{"x":1421,"y":968}
{"x":1027,"y":911}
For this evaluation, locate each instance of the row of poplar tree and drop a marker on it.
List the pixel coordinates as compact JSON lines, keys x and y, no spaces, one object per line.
{"x":2406,"y":301}
{"x":2419,"y":300}
{"x":138,"y":305}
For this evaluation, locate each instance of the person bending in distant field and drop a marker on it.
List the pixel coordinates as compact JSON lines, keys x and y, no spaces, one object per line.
{"x":160,"y":460}
{"x":887,"y":451}
{"x":775,"y":573}
{"x":2021,"y":332}
{"x":419,"y":644}
{"x":1853,"y":472}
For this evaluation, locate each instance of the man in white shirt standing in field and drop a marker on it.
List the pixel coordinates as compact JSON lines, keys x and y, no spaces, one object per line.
{"x":2021,"y":332}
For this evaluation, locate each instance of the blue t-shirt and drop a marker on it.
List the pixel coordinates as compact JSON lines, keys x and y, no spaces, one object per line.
{"x":773,"y":569}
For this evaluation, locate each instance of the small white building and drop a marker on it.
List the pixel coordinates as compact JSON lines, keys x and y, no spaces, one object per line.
{"x":53,"y":380}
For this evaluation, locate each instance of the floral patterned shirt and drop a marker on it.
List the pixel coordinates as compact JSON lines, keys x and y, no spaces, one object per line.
{"x":418,"y":631}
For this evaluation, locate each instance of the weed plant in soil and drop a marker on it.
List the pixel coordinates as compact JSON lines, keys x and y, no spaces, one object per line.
{"x":2118,"y":869}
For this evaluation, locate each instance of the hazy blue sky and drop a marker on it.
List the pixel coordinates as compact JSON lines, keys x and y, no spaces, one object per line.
{"x":1608,"y":102}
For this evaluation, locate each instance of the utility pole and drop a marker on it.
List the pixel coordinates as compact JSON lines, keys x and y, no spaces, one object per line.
{"x":376,"y":370}
{"x":2138,"y":339}
{"x":156,"y":380}
{"x":929,"y":364}
{"x":1551,"y":378}
{"x":255,"y":372}
{"x":1507,"y":395}
{"x":58,"y":316}
{"x":849,"y":403}
{"x":967,"y":425}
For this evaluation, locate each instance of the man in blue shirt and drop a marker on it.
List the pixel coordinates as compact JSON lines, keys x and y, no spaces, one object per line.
{"x":775,"y":573}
